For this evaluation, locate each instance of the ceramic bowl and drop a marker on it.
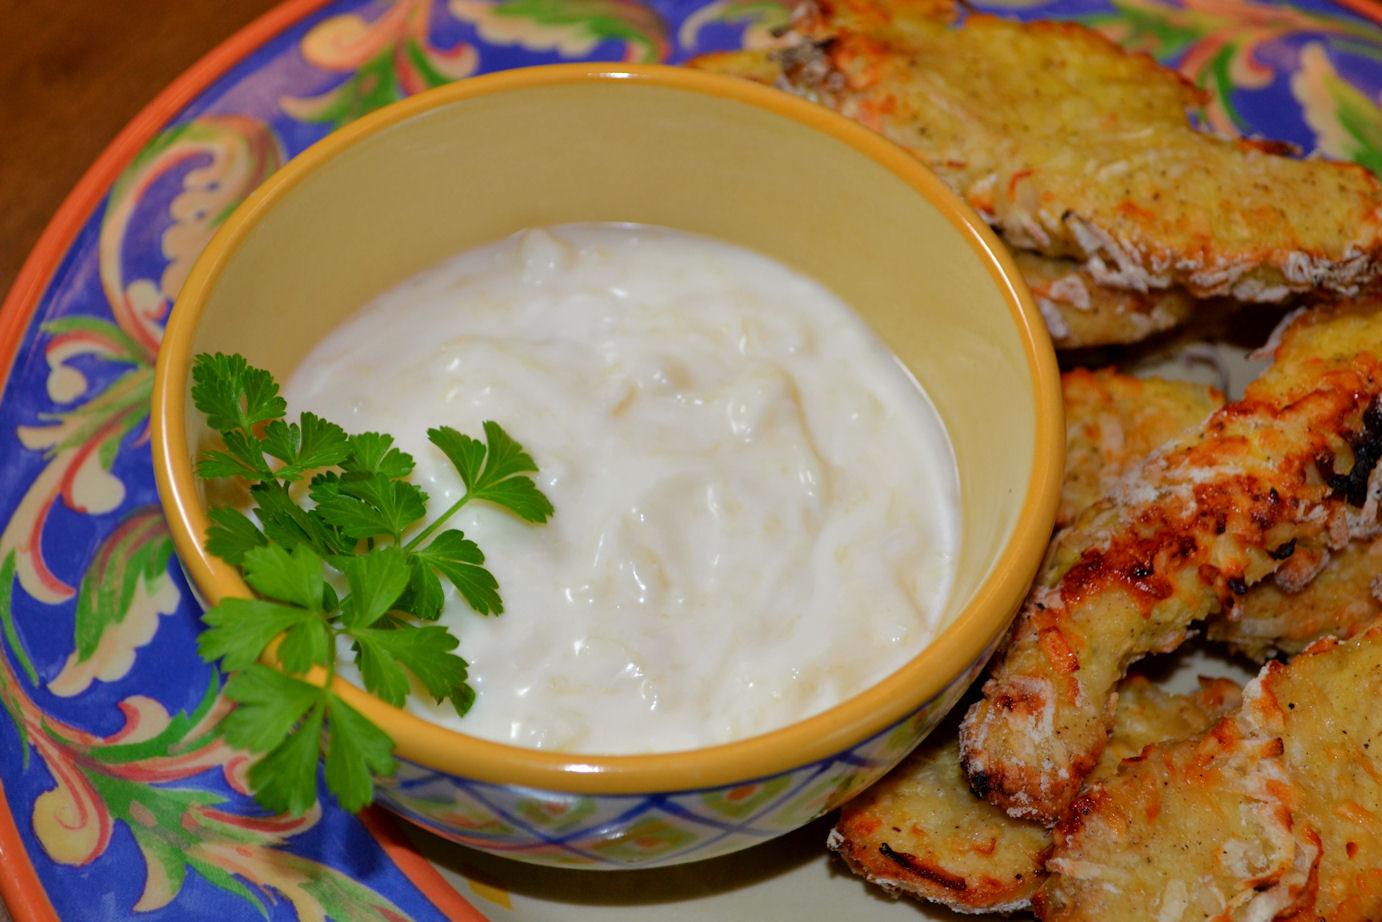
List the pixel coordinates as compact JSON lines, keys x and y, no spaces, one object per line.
{"x":456,"y":167}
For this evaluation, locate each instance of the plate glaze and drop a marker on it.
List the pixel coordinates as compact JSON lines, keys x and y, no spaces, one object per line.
{"x":120,"y":803}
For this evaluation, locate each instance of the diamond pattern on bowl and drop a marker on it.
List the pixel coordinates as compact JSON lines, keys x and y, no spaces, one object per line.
{"x":556,"y":814}
{"x":740,"y":802}
{"x":651,"y":836}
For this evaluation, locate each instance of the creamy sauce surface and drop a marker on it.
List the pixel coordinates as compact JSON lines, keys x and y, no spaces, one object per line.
{"x":756,"y":505}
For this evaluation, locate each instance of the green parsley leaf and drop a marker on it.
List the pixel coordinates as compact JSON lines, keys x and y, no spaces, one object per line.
{"x":242,"y":458}
{"x":521,"y":496}
{"x":380,"y":672}
{"x":232,"y":534}
{"x":288,"y":575}
{"x":360,"y":508}
{"x":463,"y":700}
{"x":424,"y":650}
{"x":425,"y":597}
{"x":305,"y":447}
{"x":233,"y":395}
{"x":467,"y":455}
{"x":504,"y":457}
{"x":282,"y":717}
{"x":494,"y":471}
{"x":285,"y":780}
{"x":373,"y":453}
{"x":238,"y":630}
{"x":373,"y":507}
{"x":355,"y":751}
{"x":460,"y":560}
{"x":376,"y":580}
{"x":286,"y":523}
{"x":351,"y":517}
{"x":324,"y":486}
{"x":330,"y":602}
{"x":305,"y":645}
{"x":269,"y":705}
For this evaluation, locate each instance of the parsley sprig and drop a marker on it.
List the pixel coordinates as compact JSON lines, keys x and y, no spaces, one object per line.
{"x":357,"y":521}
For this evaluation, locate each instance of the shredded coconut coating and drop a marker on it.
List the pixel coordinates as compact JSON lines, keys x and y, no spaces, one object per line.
{"x":1338,"y":602}
{"x":1114,"y":421}
{"x":1081,"y":311}
{"x":921,"y":832}
{"x":1271,"y":814}
{"x":1194,"y":830}
{"x":1077,"y":149}
{"x":1286,"y":470}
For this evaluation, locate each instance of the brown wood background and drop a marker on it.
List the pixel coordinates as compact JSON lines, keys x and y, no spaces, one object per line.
{"x":72,"y":74}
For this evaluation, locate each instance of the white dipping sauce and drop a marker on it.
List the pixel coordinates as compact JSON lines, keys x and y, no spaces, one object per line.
{"x":756,"y":505}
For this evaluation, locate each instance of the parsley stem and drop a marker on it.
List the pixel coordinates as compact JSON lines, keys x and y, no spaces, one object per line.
{"x":440,"y":521}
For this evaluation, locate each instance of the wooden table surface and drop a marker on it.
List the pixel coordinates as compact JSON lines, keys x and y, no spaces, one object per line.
{"x":73,"y":73}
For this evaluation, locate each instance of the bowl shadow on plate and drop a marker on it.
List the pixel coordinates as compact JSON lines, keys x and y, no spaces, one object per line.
{"x":647,"y":887}
{"x":651,"y":886}
{"x":632,"y":887}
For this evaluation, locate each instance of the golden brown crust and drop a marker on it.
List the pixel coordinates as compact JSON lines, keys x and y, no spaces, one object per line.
{"x":1183,"y":538}
{"x":1272,"y":814}
{"x":1080,"y":311}
{"x":921,"y":832}
{"x":1076,"y":148}
{"x":1146,"y":714}
{"x":1198,"y":829}
{"x":1338,"y":602}
{"x":1113,"y":421}
{"x":1323,"y":706}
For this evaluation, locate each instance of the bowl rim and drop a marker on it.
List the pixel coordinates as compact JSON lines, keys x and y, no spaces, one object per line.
{"x":812,"y":740}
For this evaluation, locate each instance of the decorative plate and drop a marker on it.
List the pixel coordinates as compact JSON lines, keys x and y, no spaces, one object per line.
{"x":118,"y":800}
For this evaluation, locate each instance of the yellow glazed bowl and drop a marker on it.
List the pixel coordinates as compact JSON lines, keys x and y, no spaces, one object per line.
{"x":456,"y":167}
